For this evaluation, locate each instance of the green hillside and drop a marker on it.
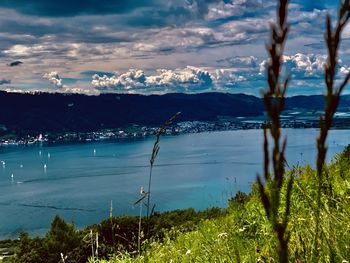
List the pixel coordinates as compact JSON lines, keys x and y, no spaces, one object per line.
{"x":245,"y":235}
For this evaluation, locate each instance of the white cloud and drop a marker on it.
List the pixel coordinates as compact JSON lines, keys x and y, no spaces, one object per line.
{"x":189,"y":77}
{"x":300,"y":65}
{"x":181,"y":77}
{"x":13,"y":90}
{"x":192,"y":79}
{"x":129,"y":80}
{"x":80,"y":90}
{"x":54,"y":78}
{"x":227,"y":78}
{"x":78,"y":87}
{"x":309,"y":65}
{"x":344,"y":70}
{"x":24,"y":50}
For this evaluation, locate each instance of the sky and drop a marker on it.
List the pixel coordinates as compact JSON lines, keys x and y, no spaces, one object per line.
{"x":159,"y":46}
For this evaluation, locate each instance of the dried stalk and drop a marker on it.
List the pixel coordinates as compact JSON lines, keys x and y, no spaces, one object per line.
{"x":155,"y":151}
{"x":274,"y":99}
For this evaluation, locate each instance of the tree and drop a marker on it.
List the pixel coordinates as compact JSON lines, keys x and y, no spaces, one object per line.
{"x":62,"y":238}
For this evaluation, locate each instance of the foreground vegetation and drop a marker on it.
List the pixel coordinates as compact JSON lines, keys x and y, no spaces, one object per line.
{"x":245,"y":235}
{"x":111,"y":236}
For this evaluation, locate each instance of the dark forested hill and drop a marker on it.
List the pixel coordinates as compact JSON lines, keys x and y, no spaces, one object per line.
{"x":23,"y":113}
{"x":47,"y":112}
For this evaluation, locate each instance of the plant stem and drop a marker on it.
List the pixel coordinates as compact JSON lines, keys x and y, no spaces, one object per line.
{"x":149,"y":189}
{"x":333,"y":38}
{"x":274,"y":99}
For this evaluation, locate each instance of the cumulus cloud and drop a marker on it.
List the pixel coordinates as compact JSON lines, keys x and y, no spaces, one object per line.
{"x":77,"y":87}
{"x":227,"y":78}
{"x":307,"y":72}
{"x":129,"y":80}
{"x":5,"y":81}
{"x":301,"y":65}
{"x":306,"y":65}
{"x":191,"y":78}
{"x":54,"y":78}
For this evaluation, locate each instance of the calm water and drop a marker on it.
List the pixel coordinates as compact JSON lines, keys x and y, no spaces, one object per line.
{"x":79,"y":181}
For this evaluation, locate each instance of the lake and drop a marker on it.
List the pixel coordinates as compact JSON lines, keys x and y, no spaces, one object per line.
{"x":78,"y":181}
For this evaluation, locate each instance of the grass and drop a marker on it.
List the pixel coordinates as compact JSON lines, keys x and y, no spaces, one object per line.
{"x":7,"y":249}
{"x":333,"y":39}
{"x":244,"y":234}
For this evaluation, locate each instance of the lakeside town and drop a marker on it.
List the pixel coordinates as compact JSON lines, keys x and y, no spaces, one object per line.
{"x":137,"y":131}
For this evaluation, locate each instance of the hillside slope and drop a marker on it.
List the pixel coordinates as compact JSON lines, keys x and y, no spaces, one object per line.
{"x":244,"y":235}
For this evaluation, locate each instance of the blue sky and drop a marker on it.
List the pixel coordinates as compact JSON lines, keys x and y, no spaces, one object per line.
{"x":158,"y":46}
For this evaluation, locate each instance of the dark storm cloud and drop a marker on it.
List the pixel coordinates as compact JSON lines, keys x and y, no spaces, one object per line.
{"x":66,"y":8}
{"x":15,"y":63}
{"x":5,"y":81}
{"x":30,"y":27}
{"x":63,"y":30}
{"x":134,"y":12}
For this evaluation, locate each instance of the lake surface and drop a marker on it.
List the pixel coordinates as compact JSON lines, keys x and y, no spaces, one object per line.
{"x":80,"y":180}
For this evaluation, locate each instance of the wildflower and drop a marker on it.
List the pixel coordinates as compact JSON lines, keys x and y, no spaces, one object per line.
{"x":259,"y":259}
{"x":188,"y":252}
{"x":242,"y":229}
{"x":63,"y":257}
{"x":222,"y":235}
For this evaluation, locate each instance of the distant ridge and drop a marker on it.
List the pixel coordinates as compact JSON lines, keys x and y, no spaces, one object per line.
{"x":23,"y":113}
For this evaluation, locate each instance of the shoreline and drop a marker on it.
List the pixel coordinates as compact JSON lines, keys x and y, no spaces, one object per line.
{"x":138,"y":132}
